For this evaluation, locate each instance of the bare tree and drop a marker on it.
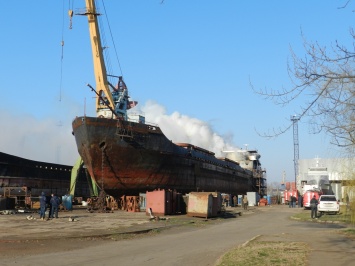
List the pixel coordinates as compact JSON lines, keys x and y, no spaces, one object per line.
{"x":327,"y":76}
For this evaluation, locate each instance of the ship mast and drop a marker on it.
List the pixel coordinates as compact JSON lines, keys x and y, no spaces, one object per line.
{"x":102,"y":85}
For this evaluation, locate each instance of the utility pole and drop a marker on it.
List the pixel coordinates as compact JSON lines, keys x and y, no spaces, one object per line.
{"x":294,"y":120}
{"x":283,"y":178}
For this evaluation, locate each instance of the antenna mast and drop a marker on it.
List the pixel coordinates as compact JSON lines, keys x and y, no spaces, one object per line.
{"x":294,"y":120}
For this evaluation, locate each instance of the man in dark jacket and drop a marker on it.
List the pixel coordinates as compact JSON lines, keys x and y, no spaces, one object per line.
{"x":42,"y":205}
{"x":300,"y":201}
{"x":314,"y":203}
{"x":55,"y":205}
{"x":293,"y":201}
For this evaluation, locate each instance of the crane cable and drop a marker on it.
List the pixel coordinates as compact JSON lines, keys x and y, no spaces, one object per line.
{"x":113,"y":42}
{"x":71,"y":13}
{"x":61,"y":58}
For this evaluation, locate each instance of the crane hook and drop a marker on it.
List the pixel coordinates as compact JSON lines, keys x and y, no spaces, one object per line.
{"x":70,"y":13}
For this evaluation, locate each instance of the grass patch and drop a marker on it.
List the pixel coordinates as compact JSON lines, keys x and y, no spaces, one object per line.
{"x":267,"y":253}
{"x":188,"y":222}
{"x":343,"y":216}
{"x":349,"y":232}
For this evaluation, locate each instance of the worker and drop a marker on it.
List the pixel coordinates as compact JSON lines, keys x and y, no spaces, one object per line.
{"x":235,"y":201}
{"x":55,"y":202}
{"x":314,"y":203}
{"x":245,"y":202}
{"x":42,"y":205}
{"x":290,"y":201}
{"x":300,"y":199}
{"x":293,"y":199}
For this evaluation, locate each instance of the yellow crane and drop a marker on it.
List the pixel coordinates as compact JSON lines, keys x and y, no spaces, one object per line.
{"x":112,"y":101}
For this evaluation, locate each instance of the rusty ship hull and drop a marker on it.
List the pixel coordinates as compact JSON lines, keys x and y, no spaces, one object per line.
{"x":126,"y":158}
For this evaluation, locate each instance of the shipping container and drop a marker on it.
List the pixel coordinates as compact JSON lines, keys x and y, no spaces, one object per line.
{"x":253,"y":198}
{"x":200,"y":204}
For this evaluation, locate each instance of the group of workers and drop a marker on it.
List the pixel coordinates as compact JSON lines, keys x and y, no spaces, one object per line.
{"x":52,"y":203}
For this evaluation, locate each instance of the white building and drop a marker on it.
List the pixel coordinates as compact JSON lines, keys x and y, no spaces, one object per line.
{"x":337,"y":170}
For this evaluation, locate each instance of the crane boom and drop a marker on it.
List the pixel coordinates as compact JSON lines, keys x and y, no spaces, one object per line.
{"x":102,"y":85}
{"x":112,"y":101}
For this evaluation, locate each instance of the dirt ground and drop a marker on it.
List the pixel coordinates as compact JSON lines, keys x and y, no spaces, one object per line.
{"x":79,"y":229}
{"x":25,"y":233}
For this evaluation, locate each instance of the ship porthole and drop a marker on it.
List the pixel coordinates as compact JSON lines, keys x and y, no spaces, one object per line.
{"x":102,"y":145}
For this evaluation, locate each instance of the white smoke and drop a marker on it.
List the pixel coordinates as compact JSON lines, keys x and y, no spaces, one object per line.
{"x":183,"y":129}
{"x":47,"y":140}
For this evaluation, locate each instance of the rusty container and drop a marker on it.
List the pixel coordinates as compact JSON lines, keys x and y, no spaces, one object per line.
{"x":159,"y":202}
{"x":293,"y":186}
{"x":290,"y":186}
{"x":200,"y":204}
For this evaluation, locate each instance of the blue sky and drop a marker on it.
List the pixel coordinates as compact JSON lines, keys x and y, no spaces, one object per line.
{"x":187,"y":59}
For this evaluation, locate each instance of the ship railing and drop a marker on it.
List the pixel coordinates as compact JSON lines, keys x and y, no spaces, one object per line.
{"x":136,"y":120}
{"x":151,"y":124}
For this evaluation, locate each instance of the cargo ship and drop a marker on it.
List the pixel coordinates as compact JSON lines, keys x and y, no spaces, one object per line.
{"x":126,"y":156}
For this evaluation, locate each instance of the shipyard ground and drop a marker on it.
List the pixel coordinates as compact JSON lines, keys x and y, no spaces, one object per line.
{"x":122,"y":238}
